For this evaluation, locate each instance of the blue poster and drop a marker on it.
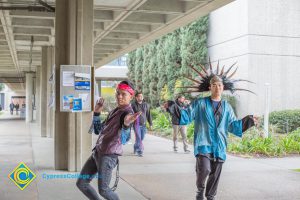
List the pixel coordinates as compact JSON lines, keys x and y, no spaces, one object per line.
{"x":77,"y":104}
{"x":82,"y":85}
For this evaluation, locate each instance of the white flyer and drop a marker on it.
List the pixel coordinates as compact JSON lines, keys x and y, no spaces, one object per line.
{"x":68,"y":78}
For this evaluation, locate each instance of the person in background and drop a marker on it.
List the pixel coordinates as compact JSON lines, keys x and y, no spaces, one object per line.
{"x":174,"y":107}
{"x":17,"y":106}
{"x":11,"y":108}
{"x":140,"y":129}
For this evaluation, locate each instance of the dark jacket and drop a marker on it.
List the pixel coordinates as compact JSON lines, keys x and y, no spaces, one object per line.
{"x":146,"y":115}
{"x":109,"y":140}
{"x":174,"y":110}
{"x":11,"y":106}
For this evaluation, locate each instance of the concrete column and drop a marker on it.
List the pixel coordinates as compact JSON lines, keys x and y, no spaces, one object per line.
{"x":50,"y":92}
{"x":84,"y":56}
{"x":38,"y":95}
{"x":73,"y":45}
{"x":60,"y":133}
{"x":99,"y":87}
{"x":43,"y":92}
{"x":29,"y":97}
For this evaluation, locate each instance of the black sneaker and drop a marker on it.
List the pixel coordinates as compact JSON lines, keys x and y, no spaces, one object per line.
{"x":175,"y":150}
{"x":187,"y":151}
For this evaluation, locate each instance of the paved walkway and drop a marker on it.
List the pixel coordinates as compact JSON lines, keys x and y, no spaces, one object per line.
{"x":159,"y":175}
{"x":5,"y":115}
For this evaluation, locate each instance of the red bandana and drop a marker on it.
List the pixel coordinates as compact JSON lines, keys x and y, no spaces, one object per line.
{"x":125,"y":87}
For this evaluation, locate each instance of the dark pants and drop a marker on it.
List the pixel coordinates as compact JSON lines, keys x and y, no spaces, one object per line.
{"x":206,"y":167}
{"x":103,"y":165}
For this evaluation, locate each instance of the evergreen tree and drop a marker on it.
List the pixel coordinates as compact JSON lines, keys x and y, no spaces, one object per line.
{"x":172,"y":58}
{"x":138,"y":69}
{"x":153,"y":74}
{"x":145,"y":75}
{"x":131,"y":66}
{"x":193,"y":47}
{"x":158,"y":67}
{"x":161,"y":64}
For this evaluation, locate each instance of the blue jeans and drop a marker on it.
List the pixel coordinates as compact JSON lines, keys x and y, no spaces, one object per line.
{"x":140,"y":132}
{"x":103,"y":165}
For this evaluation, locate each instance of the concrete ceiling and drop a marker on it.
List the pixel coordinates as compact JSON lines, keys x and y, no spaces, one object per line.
{"x":119,"y":27}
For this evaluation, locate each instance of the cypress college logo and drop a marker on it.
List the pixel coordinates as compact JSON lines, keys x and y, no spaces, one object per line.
{"x":22,"y":176}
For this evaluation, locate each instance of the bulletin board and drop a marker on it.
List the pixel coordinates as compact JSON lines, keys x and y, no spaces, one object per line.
{"x":76,"y":86}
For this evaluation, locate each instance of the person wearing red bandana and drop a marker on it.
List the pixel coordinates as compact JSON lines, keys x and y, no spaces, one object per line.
{"x":113,"y":132}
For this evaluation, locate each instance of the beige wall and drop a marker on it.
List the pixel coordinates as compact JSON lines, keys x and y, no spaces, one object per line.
{"x":263,"y":37}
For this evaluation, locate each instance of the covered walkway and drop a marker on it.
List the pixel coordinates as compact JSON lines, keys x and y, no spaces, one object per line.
{"x":38,"y":37}
{"x":34,"y":45}
{"x":159,"y":175}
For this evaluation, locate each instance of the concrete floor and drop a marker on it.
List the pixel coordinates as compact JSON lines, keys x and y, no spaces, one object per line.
{"x":159,"y":175}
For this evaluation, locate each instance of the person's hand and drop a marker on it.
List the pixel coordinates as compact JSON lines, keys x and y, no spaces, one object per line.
{"x":99,"y":105}
{"x":256,"y":120}
{"x":130,"y":118}
{"x":187,"y":102}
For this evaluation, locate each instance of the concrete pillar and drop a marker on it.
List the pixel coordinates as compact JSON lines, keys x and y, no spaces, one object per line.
{"x":50,"y":92}
{"x":34,"y":98}
{"x":38,"y":95}
{"x":99,"y":87}
{"x":29,"y":97}
{"x":43,"y":92}
{"x":73,"y":45}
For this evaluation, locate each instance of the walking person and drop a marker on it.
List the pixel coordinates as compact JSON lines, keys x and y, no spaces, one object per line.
{"x":174,"y":108}
{"x":140,"y":129}
{"x":11,"y":108}
{"x":108,"y":147}
{"x":17,"y":106}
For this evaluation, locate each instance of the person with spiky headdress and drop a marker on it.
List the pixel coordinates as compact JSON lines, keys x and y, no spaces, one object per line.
{"x":213,"y":119}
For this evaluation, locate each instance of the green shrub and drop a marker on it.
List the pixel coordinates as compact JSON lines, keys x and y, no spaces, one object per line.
{"x":286,"y":121}
{"x":161,"y":121}
{"x":190,"y":131}
{"x":292,"y":142}
{"x":295,"y":135}
{"x":275,"y":145}
{"x":155,"y":112}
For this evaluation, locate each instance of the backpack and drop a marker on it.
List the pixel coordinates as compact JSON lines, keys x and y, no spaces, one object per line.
{"x":185,"y":117}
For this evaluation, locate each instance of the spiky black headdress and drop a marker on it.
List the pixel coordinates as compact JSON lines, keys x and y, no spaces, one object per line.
{"x":202,"y":83}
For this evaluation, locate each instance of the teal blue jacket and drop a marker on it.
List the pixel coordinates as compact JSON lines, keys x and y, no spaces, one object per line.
{"x":208,"y":137}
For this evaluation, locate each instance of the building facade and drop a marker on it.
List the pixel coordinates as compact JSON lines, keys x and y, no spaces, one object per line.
{"x":263,"y":37}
